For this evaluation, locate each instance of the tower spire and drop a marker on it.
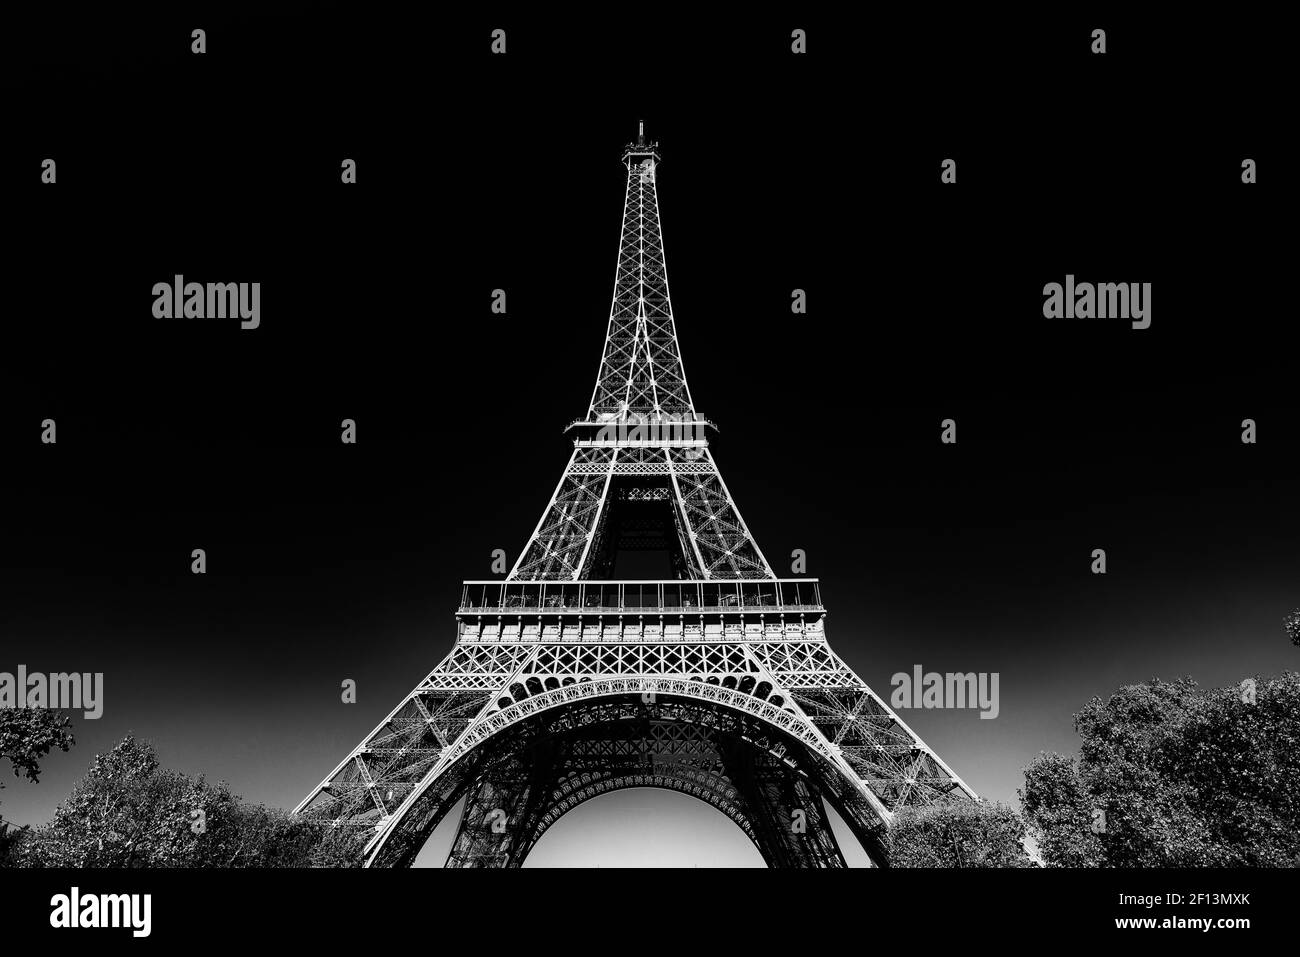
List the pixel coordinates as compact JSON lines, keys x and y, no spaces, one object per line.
{"x":641,"y":370}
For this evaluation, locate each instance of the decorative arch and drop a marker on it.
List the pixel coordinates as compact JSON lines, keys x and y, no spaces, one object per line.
{"x":781,"y":732}
{"x":783,"y":717}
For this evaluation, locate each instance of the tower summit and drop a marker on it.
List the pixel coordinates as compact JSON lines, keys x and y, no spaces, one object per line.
{"x":640,"y":640}
{"x":641,"y":149}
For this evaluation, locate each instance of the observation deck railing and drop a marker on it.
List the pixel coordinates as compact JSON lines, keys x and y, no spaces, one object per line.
{"x":667,"y":597}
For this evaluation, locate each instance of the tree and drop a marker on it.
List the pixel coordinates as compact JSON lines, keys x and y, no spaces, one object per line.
{"x":1170,"y":775}
{"x":340,"y":847}
{"x":128,"y":811}
{"x":1292,"y":625}
{"x":965,"y":834}
{"x":1060,"y":810}
{"x":27,"y":735}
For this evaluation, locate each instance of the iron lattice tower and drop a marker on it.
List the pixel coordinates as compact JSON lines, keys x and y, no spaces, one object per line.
{"x":577,"y":675}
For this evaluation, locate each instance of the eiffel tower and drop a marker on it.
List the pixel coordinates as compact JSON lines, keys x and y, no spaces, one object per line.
{"x":571,"y":677}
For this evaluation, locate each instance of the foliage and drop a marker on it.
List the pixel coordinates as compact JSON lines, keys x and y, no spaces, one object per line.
{"x":1182,"y":777}
{"x":965,"y":834}
{"x":340,"y":848}
{"x":26,"y":736}
{"x":1059,"y":810}
{"x":128,"y":811}
{"x":11,"y":838}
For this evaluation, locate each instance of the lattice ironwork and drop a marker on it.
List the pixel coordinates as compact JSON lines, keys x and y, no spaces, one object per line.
{"x":641,"y":365}
{"x":566,"y":682}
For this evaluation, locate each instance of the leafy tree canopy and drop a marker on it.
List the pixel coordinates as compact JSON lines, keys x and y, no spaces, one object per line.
{"x":1172,"y":775}
{"x":965,"y":834}
{"x":129,"y":811}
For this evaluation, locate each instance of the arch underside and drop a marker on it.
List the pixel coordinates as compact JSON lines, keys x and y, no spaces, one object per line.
{"x":521,"y":780}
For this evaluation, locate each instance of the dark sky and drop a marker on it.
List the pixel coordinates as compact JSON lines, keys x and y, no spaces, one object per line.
{"x":328,"y":562}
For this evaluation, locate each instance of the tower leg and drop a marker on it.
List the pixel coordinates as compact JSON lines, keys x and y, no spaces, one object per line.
{"x":787,"y":813}
{"x":501,"y":807}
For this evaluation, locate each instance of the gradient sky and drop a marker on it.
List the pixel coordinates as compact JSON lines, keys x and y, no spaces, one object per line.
{"x":328,"y":562}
